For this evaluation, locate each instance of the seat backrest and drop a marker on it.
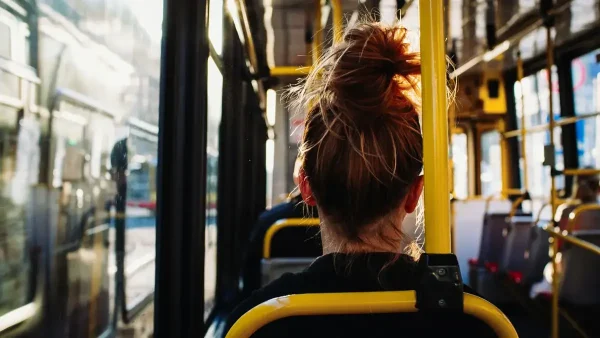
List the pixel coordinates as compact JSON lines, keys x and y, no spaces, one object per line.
{"x":290,"y":246}
{"x":562,"y":214}
{"x":493,"y":236}
{"x":296,"y":241}
{"x":515,"y":247}
{"x":586,"y":220}
{"x":581,"y":271}
{"x":537,"y":254}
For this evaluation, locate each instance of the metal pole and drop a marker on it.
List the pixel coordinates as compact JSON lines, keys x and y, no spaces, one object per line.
{"x":435,"y":127}
{"x":555,"y":275}
{"x":338,"y":21}
{"x":523,"y":121}
{"x":318,"y":38}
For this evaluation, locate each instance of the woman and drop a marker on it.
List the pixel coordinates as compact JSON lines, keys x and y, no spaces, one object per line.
{"x":362,"y":157}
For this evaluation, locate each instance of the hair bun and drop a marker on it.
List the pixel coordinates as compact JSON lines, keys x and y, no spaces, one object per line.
{"x":373,"y":72}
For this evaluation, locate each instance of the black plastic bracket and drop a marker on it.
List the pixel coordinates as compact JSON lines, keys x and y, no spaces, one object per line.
{"x":440,"y":283}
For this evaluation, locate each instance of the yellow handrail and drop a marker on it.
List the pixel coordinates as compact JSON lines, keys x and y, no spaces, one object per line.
{"x":338,"y":20}
{"x":564,"y":235}
{"x":357,"y":303}
{"x":523,"y":123}
{"x":563,"y":121}
{"x":582,"y":172}
{"x":289,"y":71}
{"x":318,"y":37}
{"x":576,"y":214}
{"x":515,"y":206}
{"x":435,"y":127}
{"x":551,"y":125}
{"x":285,"y":223}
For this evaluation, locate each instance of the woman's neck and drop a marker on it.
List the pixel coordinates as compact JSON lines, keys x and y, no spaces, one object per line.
{"x":377,"y":241}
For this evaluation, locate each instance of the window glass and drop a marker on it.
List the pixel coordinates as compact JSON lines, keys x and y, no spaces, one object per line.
{"x":19,"y":160}
{"x":5,"y":41}
{"x":586,"y":93}
{"x":215,"y":92}
{"x":491,"y":163}
{"x":538,"y":174}
{"x":101,"y":61}
{"x":536,"y":91}
{"x":533,"y":95}
{"x":460,"y":165}
{"x":215,"y":25}
{"x":9,"y":85}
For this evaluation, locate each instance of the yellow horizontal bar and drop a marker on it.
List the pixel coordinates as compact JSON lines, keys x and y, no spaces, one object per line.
{"x":583,"y":172}
{"x":573,"y":240}
{"x":577,"y":212}
{"x":358,"y":303}
{"x":285,"y":223}
{"x":290,"y":71}
{"x":564,"y":121}
{"x":512,"y":192}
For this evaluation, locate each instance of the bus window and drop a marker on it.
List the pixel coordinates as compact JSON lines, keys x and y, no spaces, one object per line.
{"x":491,"y":163}
{"x":535,"y":91}
{"x":586,"y":94}
{"x":215,"y":91}
{"x":18,"y":172}
{"x":460,"y":165}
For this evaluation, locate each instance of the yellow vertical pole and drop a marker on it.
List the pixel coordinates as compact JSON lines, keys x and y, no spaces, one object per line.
{"x":551,"y":125}
{"x":318,"y":38}
{"x":338,"y":20}
{"x":506,"y":184}
{"x":435,"y":127}
{"x":523,"y":126}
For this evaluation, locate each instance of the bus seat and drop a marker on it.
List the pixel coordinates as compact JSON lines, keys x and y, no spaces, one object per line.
{"x":562,"y":214}
{"x":482,"y":271}
{"x":290,"y":245}
{"x":537,"y":255}
{"x":587,"y":220}
{"x":581,"y":271}
{"x":358,"y":303}
{"x":492,"y":238}
{"x":513,"y":259}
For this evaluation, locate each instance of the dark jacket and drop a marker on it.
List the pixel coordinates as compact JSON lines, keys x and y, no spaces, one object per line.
{"x":365,"y":272}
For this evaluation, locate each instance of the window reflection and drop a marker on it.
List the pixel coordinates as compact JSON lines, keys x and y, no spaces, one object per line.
{"x":491,"y":163}
{"x":533,"y":94}
{"x":215,"y":92}
{"x":586,"y":93}
{"x":19,"y":161}
{"x":460,"y":165}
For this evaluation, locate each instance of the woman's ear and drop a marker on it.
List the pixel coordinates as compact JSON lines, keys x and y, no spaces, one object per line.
{"x":305,"y":189}
{"x":414,"y":193}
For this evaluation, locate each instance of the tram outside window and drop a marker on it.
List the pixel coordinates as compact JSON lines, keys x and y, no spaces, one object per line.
{"x":9,"y":86}
{"x":586,"y":94}
{"x":5,"y":41}
{"x":491,"y":163}
{"x":17,"y":162}
{"x":215,"y":96}
{"x":460,"y":165}
{"x":535,"y":92}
